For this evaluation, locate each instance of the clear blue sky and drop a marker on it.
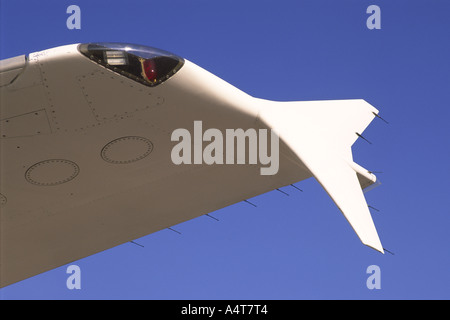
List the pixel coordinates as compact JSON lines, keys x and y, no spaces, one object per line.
{"x":297,"y":246}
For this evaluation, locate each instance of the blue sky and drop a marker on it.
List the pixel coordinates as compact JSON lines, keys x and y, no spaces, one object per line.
{"x":297,"y":246}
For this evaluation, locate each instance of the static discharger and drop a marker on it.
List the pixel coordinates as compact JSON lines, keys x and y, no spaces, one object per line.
{"x":174,"y":230}
{"x":283,"y":192}
{"x":376,"y":115}
{"x":359,"y":135}
{"x":250,"y":203}
{"x":292,"y":185}
{"x":140,"y":245}
{"x":211,"y":217}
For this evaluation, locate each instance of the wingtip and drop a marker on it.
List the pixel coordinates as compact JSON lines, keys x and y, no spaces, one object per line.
{"x":376,"y":247}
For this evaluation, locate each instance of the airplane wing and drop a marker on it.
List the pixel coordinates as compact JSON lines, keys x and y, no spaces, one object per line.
{"x":86,"y":142}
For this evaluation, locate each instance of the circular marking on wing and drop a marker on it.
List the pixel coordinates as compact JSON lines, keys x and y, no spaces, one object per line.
{"x":3,"y":199}
{"x":126,"y":150}
{"x":52,"y":172}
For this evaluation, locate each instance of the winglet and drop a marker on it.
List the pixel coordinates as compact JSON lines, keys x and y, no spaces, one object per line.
{"x":320,"y":134}
{"x":340,"y":181}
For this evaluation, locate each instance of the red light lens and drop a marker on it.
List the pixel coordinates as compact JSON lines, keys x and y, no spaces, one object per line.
{"x":150,"y":70}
